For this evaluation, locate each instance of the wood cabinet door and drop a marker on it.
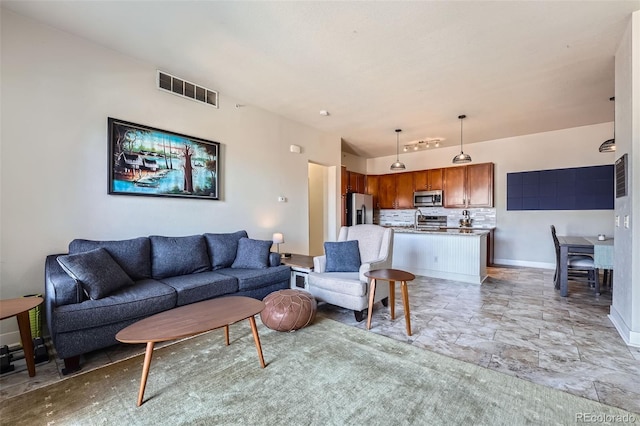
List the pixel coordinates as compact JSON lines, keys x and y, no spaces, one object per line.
{"x":372,"y":189}
{"x":344,"y":180}
{"x":360,"y":186}
{"x":435,"y":179}
{"x":404,"y":190}
{"x":479,"y":185}
{"x":453,"y":180}
{"x":387,"y":191}
{"x":343,"y":210}
{"x":421,"y":180}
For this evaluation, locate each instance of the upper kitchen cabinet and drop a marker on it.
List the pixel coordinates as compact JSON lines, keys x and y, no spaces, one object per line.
{"x":468,"y":186}
{"x":344,"y":180}
{"x":356,"y":182}
{"x":371,"y":188}
{"x":428,"y":180}
{"x":395,"y":191}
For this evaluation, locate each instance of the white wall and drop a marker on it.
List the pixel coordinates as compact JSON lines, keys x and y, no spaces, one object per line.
{"x":625,"y":309}
{"x":57,"y":92}
{"x":318,"y":212}
{"x":353,"y":163}
{"x":523,"y":237}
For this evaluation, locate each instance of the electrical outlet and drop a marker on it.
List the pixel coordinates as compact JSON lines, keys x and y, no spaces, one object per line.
{"x":282,"y":199}
{"x":617,"y":221}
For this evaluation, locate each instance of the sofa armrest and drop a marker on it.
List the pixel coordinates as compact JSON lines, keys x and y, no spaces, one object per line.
{"x":60,"y":289}
{"x":319,"y":264}
{"x":274,"y":259}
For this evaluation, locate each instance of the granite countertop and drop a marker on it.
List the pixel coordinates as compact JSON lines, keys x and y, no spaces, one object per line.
{"x":440,"y":231}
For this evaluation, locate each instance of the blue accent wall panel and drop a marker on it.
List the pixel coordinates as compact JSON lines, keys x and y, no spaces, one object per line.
{"x":578,"y":188}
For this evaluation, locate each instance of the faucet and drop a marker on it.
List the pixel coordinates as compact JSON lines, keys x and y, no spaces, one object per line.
{"x":415,"y":218}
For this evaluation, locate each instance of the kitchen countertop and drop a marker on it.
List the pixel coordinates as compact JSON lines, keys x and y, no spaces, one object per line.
{"x":440,"y":231}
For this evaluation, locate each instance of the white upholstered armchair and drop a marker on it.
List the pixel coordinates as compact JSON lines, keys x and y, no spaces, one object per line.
{"x":351,"y":289}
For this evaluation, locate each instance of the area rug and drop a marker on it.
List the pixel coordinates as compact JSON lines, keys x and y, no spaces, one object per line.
{"x":325,"y":374}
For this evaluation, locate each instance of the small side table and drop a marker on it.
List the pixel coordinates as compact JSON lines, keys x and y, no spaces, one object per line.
{"x":391,"y":275}
{"x":300,"y":265}
{"x":20,"y":308}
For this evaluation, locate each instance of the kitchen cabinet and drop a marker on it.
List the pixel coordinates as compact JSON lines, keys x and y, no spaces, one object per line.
{"x":356,"y":182}
{"x":395,"y":191}
{"x":468,"y":186}
{"x":428,"y":180}
{"x":344,"y":180}
{"x":371,"y":188}
{"x":387,"y":191}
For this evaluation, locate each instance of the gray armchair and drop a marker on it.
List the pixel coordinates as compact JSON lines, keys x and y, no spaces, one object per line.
{"x":351,"y":289}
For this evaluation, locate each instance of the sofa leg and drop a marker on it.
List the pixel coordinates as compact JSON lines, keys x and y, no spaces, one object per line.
{"x":385,"y":302}
{"x":71,"y":365}
{"x":359,"y":315}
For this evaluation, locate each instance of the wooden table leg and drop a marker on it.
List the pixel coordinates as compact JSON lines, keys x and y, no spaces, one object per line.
{"x":27,"y":341}
{"x":405,"y":303}
{"x":392,"y":298}
{"x":145,"y":371}
{"x":226,"y":334}
{"x":372,"y":293}
{"x":256,"y":338}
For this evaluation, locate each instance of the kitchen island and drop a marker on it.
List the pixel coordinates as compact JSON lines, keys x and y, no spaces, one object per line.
{"x":452,"y":254}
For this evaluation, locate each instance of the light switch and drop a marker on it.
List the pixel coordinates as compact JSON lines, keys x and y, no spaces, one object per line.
{"x":626,"y":221}
{"x":617,"y":221}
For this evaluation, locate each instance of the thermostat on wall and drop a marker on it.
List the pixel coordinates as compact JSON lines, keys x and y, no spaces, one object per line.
{"x":295,"y":149}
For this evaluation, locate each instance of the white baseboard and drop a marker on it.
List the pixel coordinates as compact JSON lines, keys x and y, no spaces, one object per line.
{"x":511,"y":262}
{"x":630,"y":337}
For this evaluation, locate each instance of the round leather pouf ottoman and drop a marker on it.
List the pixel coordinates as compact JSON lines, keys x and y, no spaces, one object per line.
{"x":288,"y":310}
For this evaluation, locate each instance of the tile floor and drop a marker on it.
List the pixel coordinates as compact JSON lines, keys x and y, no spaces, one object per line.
{"x":515,"y":323}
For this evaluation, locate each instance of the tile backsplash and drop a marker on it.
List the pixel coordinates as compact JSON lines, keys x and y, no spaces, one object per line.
{"x":481,"y":217}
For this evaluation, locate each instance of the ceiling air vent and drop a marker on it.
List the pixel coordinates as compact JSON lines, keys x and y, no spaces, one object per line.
{"x":186,"y":89}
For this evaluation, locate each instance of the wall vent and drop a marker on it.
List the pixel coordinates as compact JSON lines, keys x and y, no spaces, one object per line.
{"x":186,"y":89}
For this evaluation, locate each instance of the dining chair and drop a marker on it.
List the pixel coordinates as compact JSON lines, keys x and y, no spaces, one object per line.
{"x":577,"y":265}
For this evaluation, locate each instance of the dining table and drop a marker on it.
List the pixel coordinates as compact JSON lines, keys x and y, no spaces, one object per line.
{"x":600,"y":249}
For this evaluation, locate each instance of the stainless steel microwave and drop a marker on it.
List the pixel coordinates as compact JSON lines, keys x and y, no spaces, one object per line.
{"x":427,"y":198}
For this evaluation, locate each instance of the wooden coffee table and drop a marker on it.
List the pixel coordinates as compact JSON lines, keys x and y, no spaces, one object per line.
{"x":190,"y":320}
{"x":20,"y":309}
{"x":391,"y":275}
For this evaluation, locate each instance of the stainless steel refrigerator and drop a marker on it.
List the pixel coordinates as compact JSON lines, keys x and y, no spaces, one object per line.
{"x":359,"y":209}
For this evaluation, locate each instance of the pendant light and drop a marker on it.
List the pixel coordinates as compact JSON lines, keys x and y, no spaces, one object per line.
{"x":398,"y":165}
{"x":610,"y":144}
{"x":462,"y":157}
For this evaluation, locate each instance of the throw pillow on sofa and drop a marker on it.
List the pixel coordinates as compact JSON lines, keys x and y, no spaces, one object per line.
{"x":96,"y":271}
{"x":133,"y":255}
{"x":173,"y":256}
{"x":342,"y":256}
{"x":252,"y":254}
{"x":223,"y":248}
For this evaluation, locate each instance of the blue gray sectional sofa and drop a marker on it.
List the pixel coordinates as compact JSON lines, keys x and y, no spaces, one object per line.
{"x":100,"y":287}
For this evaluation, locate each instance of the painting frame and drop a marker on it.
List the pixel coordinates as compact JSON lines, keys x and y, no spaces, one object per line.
{"x":147,"y":161}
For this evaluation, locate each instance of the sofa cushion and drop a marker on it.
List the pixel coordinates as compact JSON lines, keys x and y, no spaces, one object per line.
{"x":343,"y":256}
{"x":249,"y":279}
{"x":144,"y":298}
{"x":223,"y":248}
{"x":206,"y":285}
{"x":252,"y":254}
{"x":173,"y":256}
{"x":96,"y":271}
{"x":133,"y":256}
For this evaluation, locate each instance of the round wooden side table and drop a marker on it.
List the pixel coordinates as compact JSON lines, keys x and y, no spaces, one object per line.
{"x":391,"y":275}
{"x":20,"y":309}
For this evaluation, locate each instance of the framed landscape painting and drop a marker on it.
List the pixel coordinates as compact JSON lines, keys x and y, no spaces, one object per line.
{"x":153,"y":162}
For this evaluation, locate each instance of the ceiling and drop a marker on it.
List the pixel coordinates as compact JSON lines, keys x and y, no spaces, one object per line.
{"x":513,"y":67}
